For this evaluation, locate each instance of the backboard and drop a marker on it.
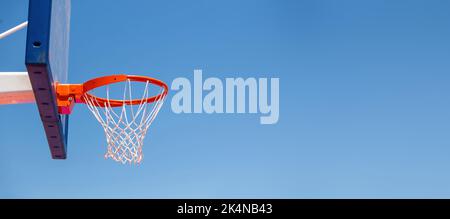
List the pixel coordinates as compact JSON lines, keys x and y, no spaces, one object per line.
{"x":47,"y":53}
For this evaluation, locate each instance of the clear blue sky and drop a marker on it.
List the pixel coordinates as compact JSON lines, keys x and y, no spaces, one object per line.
{"x":364,"y":105}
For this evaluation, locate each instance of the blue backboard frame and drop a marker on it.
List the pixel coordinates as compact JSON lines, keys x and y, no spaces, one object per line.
{"x":47,"y":52}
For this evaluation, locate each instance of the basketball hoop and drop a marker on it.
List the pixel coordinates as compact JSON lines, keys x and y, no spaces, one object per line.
{"x":125,"y":121}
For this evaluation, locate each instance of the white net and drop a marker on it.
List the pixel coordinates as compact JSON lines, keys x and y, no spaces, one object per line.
{"x":125,"y":126}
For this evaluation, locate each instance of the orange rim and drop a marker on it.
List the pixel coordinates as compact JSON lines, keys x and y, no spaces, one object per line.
{"x":68,"y":94}
{"x":112,"y":79}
